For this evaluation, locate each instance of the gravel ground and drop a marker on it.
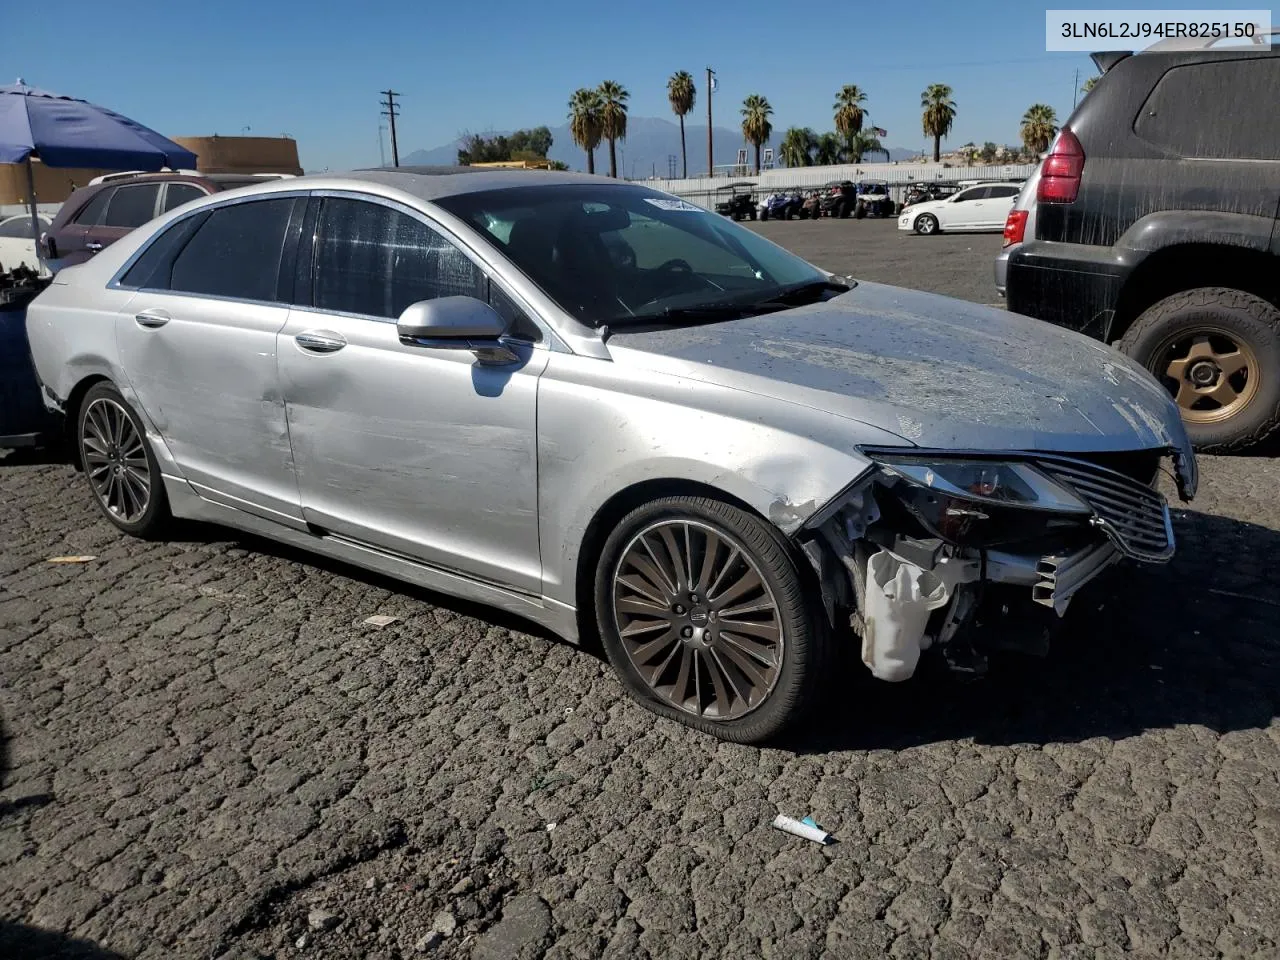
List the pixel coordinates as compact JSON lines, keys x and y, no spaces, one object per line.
{"x":209,"y":754}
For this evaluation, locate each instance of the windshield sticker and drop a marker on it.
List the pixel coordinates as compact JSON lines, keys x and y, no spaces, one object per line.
{"x":662,"y":203}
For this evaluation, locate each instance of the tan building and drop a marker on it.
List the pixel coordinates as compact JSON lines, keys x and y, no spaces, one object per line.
{"x":243,"y":154}
{"x":213,"y":155}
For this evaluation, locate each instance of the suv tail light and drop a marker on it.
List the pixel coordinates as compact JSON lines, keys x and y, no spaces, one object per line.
{"x":1061,"y":169}
{"x":1015,"y":227}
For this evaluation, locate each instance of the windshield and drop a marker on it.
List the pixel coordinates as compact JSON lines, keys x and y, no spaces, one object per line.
{"x":613,"y":253}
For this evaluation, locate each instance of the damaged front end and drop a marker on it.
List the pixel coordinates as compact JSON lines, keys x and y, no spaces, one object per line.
{"x":974,"y":552}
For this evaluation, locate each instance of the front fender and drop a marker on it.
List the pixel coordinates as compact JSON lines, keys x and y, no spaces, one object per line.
{"x":603,"y":429}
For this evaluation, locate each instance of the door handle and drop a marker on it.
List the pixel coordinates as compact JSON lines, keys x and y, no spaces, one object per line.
{"x":320,"y":341}
{"x":90,"y":245}
{"x":152,"y":318}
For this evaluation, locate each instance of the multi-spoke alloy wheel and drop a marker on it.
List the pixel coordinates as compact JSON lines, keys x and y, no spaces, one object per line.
{"x":119,"y":464}
{"x":697,"y":619}
{"x":705,"y":616}
{"x":115,"y":459}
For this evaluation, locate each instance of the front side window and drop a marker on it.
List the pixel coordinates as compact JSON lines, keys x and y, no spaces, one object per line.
{"x":235,"y":252}
{"x":964,"y":196}
{"x":373,"y":260}
{"x":132,"y":206}
{"x":610,"y":253}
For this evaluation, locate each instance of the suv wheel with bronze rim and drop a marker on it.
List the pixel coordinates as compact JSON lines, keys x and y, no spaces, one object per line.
{"x":1217,"y":351}
{"x":704,"y":616}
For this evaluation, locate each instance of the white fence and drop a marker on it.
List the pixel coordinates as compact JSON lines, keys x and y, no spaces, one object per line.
{"x":702,"y":190}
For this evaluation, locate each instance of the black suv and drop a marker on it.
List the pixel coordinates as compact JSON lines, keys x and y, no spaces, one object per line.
{"x":1156,"y":231}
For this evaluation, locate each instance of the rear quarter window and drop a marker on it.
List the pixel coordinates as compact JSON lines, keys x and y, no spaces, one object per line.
{"x":1221,"y":110}
{"x":91,"y":213}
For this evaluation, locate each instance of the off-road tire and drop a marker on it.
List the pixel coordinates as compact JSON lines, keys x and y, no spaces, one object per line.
{"x":807,"y":644}
{"x":1244,"y":316}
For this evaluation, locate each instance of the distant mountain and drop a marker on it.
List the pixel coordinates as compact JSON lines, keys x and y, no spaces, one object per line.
{"x":650,"y":141}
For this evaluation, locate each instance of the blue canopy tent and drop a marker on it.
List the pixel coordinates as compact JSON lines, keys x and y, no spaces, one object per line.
{"x":66,"y":132}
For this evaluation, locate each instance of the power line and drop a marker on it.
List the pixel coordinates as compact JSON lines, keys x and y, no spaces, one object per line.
{"x":392,"y":110}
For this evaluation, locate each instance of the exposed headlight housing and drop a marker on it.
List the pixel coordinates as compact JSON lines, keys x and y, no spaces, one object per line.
{"x":1002,"y":483}
{"x":984,"y":503}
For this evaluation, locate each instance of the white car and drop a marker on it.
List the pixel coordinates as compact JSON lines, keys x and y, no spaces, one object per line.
{"x":982,"y":207}
{"x":18,"y":246}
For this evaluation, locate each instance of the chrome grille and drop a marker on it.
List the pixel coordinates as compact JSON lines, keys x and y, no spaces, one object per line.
{"x":1134,"y":516}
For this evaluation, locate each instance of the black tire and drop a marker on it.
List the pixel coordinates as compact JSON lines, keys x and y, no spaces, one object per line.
{"x":752,"y":214}
{"x":926,"y":224}
{"x":98,"y":414}
{"x":1217,"y":312}
{"x":801,"y":676}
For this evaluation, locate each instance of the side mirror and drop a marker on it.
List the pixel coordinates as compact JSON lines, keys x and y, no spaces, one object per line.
{"x":460,"y":323}
{"x":450,"y":318}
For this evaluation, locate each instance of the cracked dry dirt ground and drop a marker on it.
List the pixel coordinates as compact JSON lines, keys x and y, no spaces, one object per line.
{"x":210,"y":755}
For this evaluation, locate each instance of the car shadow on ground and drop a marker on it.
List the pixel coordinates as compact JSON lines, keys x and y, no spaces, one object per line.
{"x":1196,"y":642}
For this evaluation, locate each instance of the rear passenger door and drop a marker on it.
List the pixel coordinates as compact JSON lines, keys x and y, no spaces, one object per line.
{"x":198,"y":344}
{"x":131,"y":206}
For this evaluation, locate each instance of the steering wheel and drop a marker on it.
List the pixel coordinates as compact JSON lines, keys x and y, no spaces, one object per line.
{"x":675,"y":265}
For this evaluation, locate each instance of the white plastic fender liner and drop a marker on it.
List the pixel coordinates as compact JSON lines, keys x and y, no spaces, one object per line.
{"x":899,"y":598}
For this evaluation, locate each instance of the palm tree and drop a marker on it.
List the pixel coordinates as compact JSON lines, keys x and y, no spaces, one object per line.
{"x":939,"y":114}
{"x":584,"y":122}
{"x":613,"y":119}
{"x":798,"y":146}
{"x":849,"y":113}
{"x":829,"y":150}
{"x":755,"y":123}
{"x":682,"y":94}
{"x":1088,"y":84}
{"x":864,"y":142}
{"x":1039,"y":124}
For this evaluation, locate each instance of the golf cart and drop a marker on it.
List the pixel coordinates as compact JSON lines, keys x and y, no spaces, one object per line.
{"x":737,"y":200}
{"x":874,"y":199}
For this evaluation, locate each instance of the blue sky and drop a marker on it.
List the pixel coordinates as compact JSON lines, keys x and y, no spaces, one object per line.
{"x":314,"y":70}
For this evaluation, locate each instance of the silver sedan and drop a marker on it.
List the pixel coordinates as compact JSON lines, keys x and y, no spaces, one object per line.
{"x":616,"y":414}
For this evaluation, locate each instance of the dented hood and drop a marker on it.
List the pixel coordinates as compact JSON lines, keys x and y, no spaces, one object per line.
{"x":936,"y":371}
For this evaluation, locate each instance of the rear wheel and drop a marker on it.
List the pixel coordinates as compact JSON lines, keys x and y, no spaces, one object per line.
{"x":926,"y":224}
{"x":705,"y":618}
{"x":1217,"y":351}
{"x":118,"y":462}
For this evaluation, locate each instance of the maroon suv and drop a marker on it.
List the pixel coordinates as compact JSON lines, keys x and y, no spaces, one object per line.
{"x":98,"y":215}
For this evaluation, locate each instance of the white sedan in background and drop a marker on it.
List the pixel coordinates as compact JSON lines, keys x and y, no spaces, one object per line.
{"x":982,"y":207}
{"x":18,"y":246}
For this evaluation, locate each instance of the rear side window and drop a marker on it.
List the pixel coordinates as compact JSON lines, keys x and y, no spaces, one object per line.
{"x":1215,"y":111}
{"x":91,"y":214}
{"x":132,"y":206}
{"x":235,"y":252}
{"x":180,"y":193}
{"x":375,"y":261}
{"x":154,"y":269}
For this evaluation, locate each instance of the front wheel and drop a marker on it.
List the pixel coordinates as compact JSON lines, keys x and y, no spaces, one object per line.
{"x":706,"y":620}
{"x":119,"y":464}
{"x":1217,"y":351}
{"x":926,"y":224}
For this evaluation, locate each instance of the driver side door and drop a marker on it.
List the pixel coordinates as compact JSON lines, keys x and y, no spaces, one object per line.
{"x":416,"y":449}
{"x":965,"y":210}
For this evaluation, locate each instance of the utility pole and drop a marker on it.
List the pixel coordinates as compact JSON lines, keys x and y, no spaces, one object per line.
{"x":1075,"y":95}
{"x":711,"y":170}
{"x":392,"y":110}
